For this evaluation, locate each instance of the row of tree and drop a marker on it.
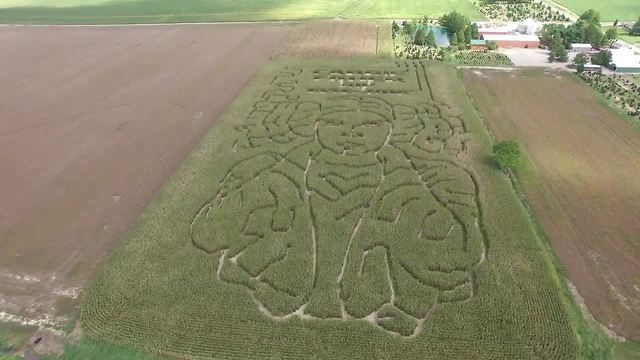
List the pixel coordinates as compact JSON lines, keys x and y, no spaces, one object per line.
{"x":586,"y":30}
{"x":602,"y":58}
{"x":460,"y":28}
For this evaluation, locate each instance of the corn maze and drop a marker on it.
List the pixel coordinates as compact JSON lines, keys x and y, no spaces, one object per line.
{"x":336,"y":212}
{"x":350,"y":207}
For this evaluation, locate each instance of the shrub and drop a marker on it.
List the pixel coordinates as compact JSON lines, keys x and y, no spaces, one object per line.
{"x":508,"y":155}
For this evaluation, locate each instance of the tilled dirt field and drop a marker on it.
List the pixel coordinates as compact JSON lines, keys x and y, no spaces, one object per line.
{"x":583,"y":183}
{"x":92,"y":123}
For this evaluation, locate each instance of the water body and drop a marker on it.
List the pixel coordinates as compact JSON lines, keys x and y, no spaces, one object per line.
{"x":441,"y":34}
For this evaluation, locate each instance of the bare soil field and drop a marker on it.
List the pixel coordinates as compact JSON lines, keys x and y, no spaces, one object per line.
{"x":94,"y":121}
{"x":333,"y":39}
{"x":582,"y":182}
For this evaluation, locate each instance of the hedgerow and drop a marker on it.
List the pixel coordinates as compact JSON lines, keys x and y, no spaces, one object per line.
{"x":339,"y":210}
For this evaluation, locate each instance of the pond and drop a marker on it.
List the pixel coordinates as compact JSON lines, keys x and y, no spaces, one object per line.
{"x":441,"y":34}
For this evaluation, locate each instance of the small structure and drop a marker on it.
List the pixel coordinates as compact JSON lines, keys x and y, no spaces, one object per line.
{"x":581,"y":48}
{"x":625,"y":61}
{"x":478,"y":45}
{"x":513,"y":40}
{"x":592,"y":68}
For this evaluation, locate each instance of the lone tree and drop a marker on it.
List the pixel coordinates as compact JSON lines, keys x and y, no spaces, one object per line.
{"x":591,"y":16}
{"x":508,"y":155}
{"x":580,"y":61}
{"x":610,"y":36}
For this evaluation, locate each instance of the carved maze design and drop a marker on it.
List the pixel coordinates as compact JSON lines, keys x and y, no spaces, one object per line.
{"x":348,"y":201}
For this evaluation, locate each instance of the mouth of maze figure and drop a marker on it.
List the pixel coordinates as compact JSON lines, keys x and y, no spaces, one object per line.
{"x":353,"y":132}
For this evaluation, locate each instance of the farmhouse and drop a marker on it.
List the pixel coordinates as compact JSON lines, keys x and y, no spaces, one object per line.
{"x":581,"y":48}
{"x":513,"y":40}
{"x":625,"y":61}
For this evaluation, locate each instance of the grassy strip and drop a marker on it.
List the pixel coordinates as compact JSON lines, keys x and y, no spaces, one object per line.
{"x":89,"y":348}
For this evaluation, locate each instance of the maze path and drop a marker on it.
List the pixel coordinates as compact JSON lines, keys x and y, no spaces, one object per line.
{"x":350,"y":201}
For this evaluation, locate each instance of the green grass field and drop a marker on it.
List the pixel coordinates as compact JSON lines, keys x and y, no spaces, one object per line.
{"x":159,"y":11}
{"x":340,"y":210}
{"x":610,"y":10}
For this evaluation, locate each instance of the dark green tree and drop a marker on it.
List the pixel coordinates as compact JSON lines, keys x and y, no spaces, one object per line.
{"x":602,"y":58}
{"x":462,"y":37}
{"x":593,"y":35}
{"x":557,"y":51}
{"x":421,"y":36}
{"x":431,"y":39}
{"x":454,"y":39}
{"x":454,"y":21}
{"x":475,"y":34}
{"x":508,"y":155}
{"x":610,"y":36}
{"x":580,"y":61}
{"x":591,"y":16}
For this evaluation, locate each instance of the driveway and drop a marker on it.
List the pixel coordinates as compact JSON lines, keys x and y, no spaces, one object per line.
{"x":534,"y":57}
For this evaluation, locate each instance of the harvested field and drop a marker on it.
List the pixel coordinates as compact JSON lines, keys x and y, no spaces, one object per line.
{"x":340,"y":210}
{"x":332,"y":39}
{"x":94,"y":121}
{"x":582,"y":183}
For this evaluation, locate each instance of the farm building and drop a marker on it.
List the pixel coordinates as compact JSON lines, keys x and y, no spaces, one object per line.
{"x":581,"y":48}
{"x":478,"y":45}
{"x":625,"y":61}
{"x":513,"y":41}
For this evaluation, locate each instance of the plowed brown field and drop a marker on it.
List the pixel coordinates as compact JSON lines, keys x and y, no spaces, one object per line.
{"x":583,"y":183}
{"x":92,"y":123}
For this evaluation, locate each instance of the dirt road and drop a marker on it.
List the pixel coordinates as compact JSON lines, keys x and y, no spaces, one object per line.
{"x":582,"y":185}
{"x":93,"y":121}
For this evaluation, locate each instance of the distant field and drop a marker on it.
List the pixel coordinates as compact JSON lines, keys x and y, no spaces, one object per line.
{"x":398,"y":9}
{"x":339,"y":210}
{"x":610,"y":10}
{"x":582,"y":183}
{"x":160,"y":11}
{"x":337,"y":39}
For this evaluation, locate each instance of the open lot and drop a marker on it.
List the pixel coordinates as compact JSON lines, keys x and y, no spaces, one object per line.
{"x":610,"y":10}
{"x":94,"y":121}
{"x":582,"y":182}
{"x":338,"y":210}
{"x":162,"y":11}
